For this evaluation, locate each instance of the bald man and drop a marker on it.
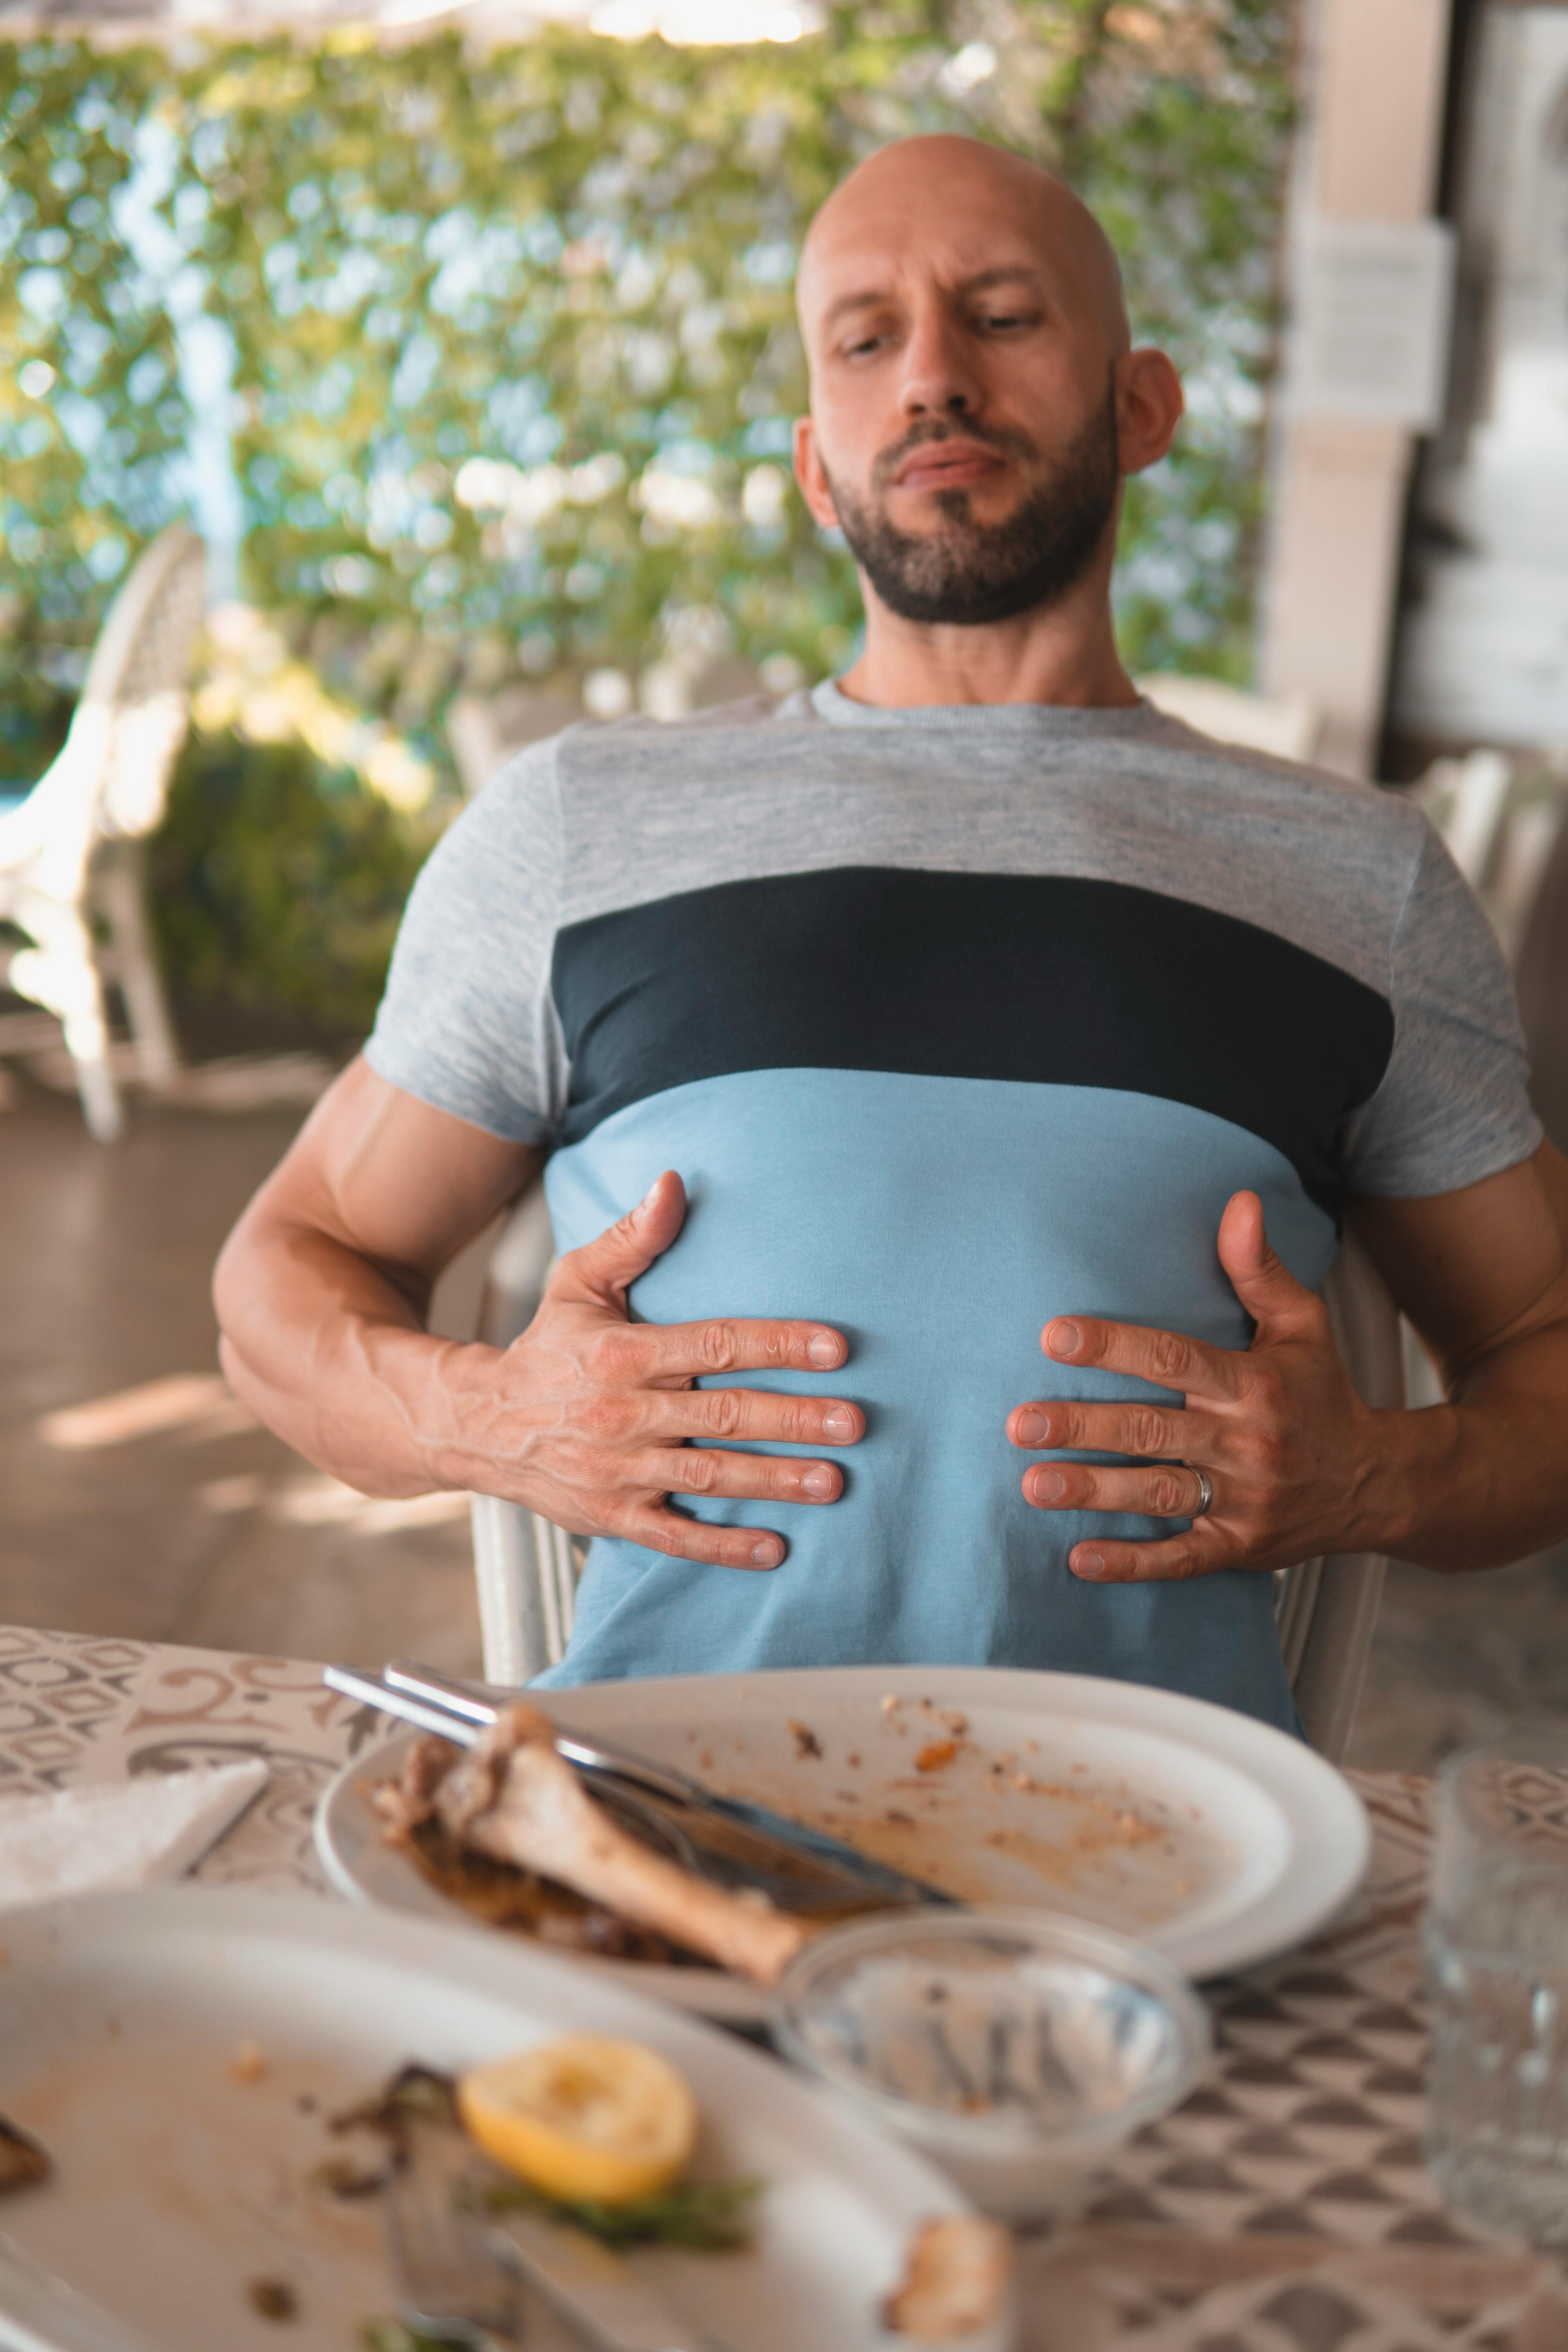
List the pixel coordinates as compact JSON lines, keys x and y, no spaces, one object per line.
{"x":949,"y":1084}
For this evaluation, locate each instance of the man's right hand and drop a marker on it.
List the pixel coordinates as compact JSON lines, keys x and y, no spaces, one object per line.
{"x":599,"y":1425}
{"x":597,"y":1421}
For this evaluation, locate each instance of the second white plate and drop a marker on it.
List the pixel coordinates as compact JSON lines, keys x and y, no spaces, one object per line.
{"x":178,"y":2187}
{"x":1195,"y":1828}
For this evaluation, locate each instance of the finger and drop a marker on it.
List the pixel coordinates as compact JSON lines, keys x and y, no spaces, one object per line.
{"x":753,"y":1416}
{"x":683,"y":1538}
{"x":1165,"y":1490}
{"x":604,"y":1269}
{"x":1173,"y":1561}
{"x":689,"y":1350}
{"x":1168,"y":1358}
{"x":1282,"y":1308}
{"x":1069,"y":1425}
{"x":757,"y":1477}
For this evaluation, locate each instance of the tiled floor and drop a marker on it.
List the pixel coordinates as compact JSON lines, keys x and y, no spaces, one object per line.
{"x":207,"y":1529}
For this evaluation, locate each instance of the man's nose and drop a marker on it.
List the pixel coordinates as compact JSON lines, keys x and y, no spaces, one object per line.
{"x":939,"y":377}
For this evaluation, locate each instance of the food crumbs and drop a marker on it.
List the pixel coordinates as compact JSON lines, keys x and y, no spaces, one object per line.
{"x":272,"y":2299}
{"x":937,"y":1756}
{"x":853,"y":1760}
{"x":956,"y":1723}
{"x":705,"y":1758}
{"x":1021,"y":1780}
{"x":806,"y":1742}
{"x":904,"y":1821}
{"x":891,"y":1703}
{"x":845,"y":1796}
{"x":341,"y":2176}
{"x":249,"y":2064}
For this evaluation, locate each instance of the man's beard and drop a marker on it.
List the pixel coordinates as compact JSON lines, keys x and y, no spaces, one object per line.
{"x":967,"y":574}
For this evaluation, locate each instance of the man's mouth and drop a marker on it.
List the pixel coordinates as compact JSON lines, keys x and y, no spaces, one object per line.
{"x":947,"y":466}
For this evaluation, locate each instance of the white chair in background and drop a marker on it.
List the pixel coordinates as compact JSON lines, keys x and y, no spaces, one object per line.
{"x":69,"y":848}
{"x":484,"y":731}
{"x":1327,"y":1608}
{"x":1289,"y":727}
{"x":526,"y":1567}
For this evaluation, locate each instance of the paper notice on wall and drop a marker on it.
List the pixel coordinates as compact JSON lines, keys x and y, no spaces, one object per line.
{"x":1374,"y":305}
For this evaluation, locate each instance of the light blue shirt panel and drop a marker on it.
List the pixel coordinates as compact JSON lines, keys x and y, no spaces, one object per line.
{"x":938,"y":1223}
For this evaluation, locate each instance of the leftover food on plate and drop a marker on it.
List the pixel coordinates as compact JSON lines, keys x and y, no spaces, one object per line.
{"x":512,"y":1799}
{"x":273,"y":2298}
{"x":957,"y":2274}
{"x":23,"y":2163}
{"x":914,"y":1784}
{"x":587,"y":2129}
{"x":584,"y":2117}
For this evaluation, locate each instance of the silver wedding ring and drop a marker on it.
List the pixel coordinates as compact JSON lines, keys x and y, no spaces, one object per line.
{"x":1205,"y":1492}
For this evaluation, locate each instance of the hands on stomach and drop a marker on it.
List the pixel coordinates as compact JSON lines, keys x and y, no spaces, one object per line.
{"x":618,"y":1429}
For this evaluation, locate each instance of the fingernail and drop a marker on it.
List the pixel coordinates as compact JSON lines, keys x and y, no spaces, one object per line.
{"x":1063,"y":1339}
{"x":819,"y":1482}
{"x":838,"y":1424}
{"x":1049,"y":1486}
{"x":648,"y":1196}
{"x":768,"y":1553}
{"x":823,"y":1347}
{"x":1033,"y":1428}
{"x":1088,"y":1563}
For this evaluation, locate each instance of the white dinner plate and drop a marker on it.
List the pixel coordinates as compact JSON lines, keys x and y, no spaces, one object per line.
{"x":1194,"y":1829}
{"x":177,"y":2185}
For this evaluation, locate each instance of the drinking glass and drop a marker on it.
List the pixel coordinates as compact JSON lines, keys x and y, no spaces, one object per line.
{"x":1496,"y":1958}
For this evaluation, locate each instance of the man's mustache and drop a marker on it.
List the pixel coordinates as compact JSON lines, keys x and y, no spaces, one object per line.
{"x":920,"y":437}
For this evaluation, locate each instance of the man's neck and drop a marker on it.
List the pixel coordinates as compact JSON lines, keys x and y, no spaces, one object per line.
{"x":1065,"y":656}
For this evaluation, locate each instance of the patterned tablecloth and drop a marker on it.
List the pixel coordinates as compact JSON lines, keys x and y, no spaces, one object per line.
{"x":1283,"y":2209}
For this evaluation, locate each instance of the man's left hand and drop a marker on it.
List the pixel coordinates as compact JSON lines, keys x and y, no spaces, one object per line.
{"x":1286,"y":1445}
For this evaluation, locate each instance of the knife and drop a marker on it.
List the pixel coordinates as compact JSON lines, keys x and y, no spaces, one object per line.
{"x":593,"y":2288}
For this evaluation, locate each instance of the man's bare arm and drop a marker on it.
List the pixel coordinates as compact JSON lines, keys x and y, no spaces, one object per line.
{"x":321,"y":1292}
{"x":1297,"y":1465}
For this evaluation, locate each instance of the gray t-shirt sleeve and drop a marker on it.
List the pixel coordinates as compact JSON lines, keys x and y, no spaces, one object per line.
{"x":1454,"y":1105}
{"x":468,"y":1023}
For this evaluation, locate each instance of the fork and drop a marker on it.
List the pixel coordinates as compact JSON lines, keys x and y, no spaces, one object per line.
{"x":449,"y":2284}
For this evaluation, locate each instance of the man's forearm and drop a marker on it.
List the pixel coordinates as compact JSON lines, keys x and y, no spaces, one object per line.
{"x":1483,"y":1479}
{"x":329,"y":1351}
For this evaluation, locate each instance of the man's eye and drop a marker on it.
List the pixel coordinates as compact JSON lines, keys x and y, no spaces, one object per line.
{"x":864,"y":343}
{"x":1006,"y":321}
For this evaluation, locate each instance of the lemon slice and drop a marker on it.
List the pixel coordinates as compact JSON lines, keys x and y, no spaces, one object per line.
{"x":586,"y":2118}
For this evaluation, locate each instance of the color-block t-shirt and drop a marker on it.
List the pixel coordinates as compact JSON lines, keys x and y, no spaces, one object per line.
{"x":952,"y":1020}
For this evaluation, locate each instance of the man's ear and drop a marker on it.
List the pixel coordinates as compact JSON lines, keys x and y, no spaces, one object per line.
{"x":1149,"y":406}
{"x":812,"y":477}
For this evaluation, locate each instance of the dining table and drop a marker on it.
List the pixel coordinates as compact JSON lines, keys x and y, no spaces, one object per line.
{"x":1285,"y":2206}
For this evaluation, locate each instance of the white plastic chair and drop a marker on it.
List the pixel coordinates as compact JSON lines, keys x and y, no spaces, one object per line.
{"x":1287,"y":726}
{"x":1326,"y":1609}
{"x":526,"y":1567}
{"x":70,"y":850}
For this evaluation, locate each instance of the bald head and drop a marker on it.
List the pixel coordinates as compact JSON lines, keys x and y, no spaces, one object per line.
{"x":975,"y":399}
{"x":989,"y":209}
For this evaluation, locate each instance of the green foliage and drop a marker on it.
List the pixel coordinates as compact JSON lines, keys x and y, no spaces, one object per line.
{"x":90,"y":417}
{"x":707,"y":2217}
{"x":514,"y":360}
{"x":276,"y":882}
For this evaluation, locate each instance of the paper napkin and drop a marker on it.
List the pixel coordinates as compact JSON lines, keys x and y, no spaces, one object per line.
{"x":118,"y":1832}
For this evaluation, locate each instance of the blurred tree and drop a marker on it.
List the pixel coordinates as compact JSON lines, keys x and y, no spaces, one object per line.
{"x":514,"y":360}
